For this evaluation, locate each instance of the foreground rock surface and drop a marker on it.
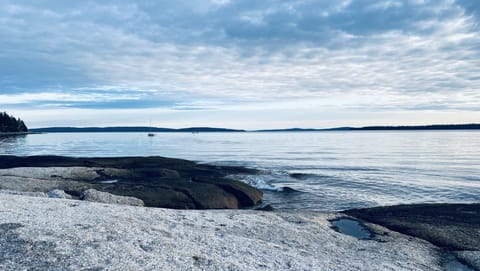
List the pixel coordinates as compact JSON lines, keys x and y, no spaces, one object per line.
{"x":104,"y":197}
{"x":59,"y":234}
{"x":157,"y":181}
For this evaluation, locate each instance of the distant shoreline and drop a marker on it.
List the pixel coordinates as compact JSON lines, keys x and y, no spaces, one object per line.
{"x":132,"y":129}
{"x":146,"y":129}
{"x":472,"y":126}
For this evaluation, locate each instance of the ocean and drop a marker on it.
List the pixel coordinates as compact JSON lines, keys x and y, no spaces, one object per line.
{"x":321,"y":171}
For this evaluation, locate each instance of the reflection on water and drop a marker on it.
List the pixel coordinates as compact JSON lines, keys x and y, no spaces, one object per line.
{"x":11,"y":144}
{"x":351,"y":227}
{"x":331,"y":170}
{"x":453,"y":264}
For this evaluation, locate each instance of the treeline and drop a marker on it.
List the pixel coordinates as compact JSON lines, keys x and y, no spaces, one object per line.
{"x":472,"y":126}
{"x":130,"y":129}
{"x":9,"y":124}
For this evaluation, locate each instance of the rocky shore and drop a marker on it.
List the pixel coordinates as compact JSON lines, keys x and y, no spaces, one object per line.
{"x":62,"y":213}
{"x":454,"y":228}
{"x":157,"y":181}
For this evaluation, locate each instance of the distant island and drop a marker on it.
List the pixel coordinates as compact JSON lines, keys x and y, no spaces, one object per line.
{"x":130,"y":129}
{"x":10,"y":124}
{"x":420,"y":127}
{"x":472,"y":126}
{"x":213,"y":129}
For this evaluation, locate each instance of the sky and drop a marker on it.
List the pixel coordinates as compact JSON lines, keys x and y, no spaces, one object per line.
{"x":245,"y":64}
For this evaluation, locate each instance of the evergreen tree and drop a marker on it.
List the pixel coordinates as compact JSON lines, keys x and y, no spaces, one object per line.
{"x":9,"y":124}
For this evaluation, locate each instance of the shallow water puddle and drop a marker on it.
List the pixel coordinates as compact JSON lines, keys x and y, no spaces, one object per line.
{"x":454,"y":265}
{"x":351,"y":227}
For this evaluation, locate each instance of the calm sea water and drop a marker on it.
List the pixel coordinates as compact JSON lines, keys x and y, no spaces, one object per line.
{"x":330,"y":170}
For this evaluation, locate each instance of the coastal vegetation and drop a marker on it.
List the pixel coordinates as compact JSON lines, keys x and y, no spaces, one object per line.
{"x":131,"y":129}
{"x":122,"y":129}
{"x":10,"y":124}
{"x":471,"y":126}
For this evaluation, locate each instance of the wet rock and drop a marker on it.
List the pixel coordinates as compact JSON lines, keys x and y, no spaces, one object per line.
{"x":264,"y":207}
{"x":20,"y":193}
{"x":472,"y":258}
{"x":288,"y":190}
{"x":453,"y":227}
{"x":301,"y":176}
{"x":158,"y":181}
{"x":450,"y":226}
{"x":156,"y":173}
{"x":104,"y":197}
{"x":244,"y":193}
{"x":164,"y":197}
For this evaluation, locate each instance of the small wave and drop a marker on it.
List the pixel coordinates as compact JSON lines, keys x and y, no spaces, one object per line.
{"x":287,"y":189}
{"x":259,"y":181}
{"x":109,"y":181}
{"x":470,"y":178}
{"x":347,"y":168}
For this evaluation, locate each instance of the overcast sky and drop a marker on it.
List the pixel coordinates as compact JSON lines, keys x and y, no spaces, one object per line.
{"x":240,"y":64}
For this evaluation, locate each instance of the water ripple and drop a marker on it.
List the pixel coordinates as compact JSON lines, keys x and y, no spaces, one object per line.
{"x":333,"y":171}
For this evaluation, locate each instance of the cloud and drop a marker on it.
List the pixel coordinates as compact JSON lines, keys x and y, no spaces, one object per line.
{"x":361,"y":55}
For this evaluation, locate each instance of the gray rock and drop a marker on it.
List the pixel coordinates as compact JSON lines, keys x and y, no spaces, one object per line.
{"x":104,"y":197}
{"x":50,"y":234}
{"x":38,"y":179}
{"x":58,"y":194}
{"x":19,"y":193}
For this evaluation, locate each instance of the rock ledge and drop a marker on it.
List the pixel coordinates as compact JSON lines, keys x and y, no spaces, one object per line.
{"x":157,"y":181}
